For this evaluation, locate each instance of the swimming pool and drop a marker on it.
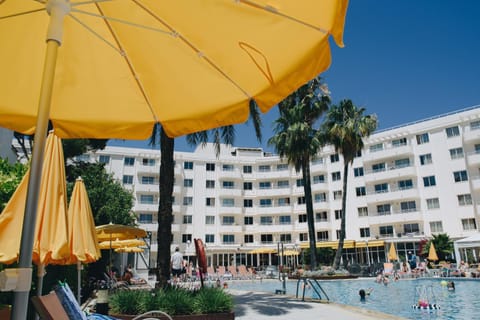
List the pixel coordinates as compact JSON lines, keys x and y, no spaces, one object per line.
{"x":395,"y":298}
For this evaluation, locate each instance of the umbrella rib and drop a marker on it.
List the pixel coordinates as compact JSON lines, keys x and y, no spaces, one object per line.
{"x":21,"y":13}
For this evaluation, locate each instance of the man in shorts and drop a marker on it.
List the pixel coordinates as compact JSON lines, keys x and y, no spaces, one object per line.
{"x":176,"y":263}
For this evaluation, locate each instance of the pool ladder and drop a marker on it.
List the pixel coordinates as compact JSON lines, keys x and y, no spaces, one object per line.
{"x":316,"y":287}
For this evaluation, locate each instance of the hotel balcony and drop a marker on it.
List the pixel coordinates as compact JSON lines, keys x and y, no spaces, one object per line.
{"x":391,"y":172}
{"x":230,"y":174}
{"x":146,"y":207}
{"x":230,"y":228}
{"x":393,"y":194}
{"x":387,"y":153}
{"x":475,"y":182}
{"x":395,"y":217}
{"x":230,"y":210}
{"x":229,"y":192}
{"x":471,"y":135}
{"x":152,"y":188}
{"x":473,"y":158}
{"x":148,"y":169}
{"x":273,"y":174}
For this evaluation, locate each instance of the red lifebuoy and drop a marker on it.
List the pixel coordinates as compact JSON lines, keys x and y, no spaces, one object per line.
{"x":202,"y":258}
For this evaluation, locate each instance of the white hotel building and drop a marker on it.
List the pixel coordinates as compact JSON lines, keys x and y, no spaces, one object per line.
{"x":409,"y":183}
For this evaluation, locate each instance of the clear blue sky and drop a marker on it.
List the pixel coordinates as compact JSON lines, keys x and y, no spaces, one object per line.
{"x":403,"y":60}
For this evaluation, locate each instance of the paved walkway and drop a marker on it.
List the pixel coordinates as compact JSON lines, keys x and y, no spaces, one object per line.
{"x":263,"y":306}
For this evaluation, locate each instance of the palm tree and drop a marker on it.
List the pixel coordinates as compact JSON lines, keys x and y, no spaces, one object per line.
{"x":297,"y":140}
{"x":344,"y":127}
{"x":443,"y":245}
{"x":167,"y":169}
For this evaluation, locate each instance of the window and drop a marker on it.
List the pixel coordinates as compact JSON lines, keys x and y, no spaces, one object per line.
{"x":266,"y":238}
{"x":405,"y":184}
{"x":376,"y":147}
{"x":227,"y":185}
{"x":408,"y":206}
{"x":228,"y":220}
{"x":362,"y":211}
{"x":381,"y":188}
{"x":402,"y":163}
{"x":338,"y":214}
{"x":317,"y":161}
{"x":320,"y":197}
{"x":358,"y":172}
{"x":386,"y":231}
{"x":399,"y":142}
{"x":210,"y":184}
{"x":248,"y":238}
{"x":265,"y":185}
{"x":188,"y":183}
{"x":337,"y":195}
{"x":452,"y":131}
{"x":321,"y":216}
{"x":186,"y":238}
{"x":147,"y":180}
{"x":319,"y":179}
{"x":266,"y":220}
{"x":146,"y":199}
{"x":145,"y":218}
{"x":456,"y":153}
{"x":128,"y":161}
{"x":475,"y":125}
{"x":302,"y":218}
{"x":469,"y":224}
{"x":187,"y":201}
{"x":282,"y":202}
{"x":365,"y":232}
{"x":361,"y":191}
{"x":264,"y":168}
{"x":384,"y":209}
{"x":228,"y":238}
{"x":187,"y":219}
{"x":300,"y":183}
{"x":209,"y":219}
{"x":460,"y":176}
{"x":422,"y":138}
{"x":336,"y":176}
{"x":378,"y":167}
{"x":228,"y":202}
{"x":425,"y":159}
{"x":282,"y":167}
{"x":322,"y":235}
{"x":210,"y":202}
{"x":247,"y":169}
{"x":148,"y":162}
{"x":285,"y":220}
{"x":338,"y":233}
{"x":282,"y":184}
{"x":433,"y":203}
{"x":247,"y":203}
{"x":301,"y":200}
{"x":477,"y":148}
{"x":209,"y":238}
{"x":286,"y":237}
{"x":464,"y":199}
{"x":227,"y":167}
{"x":210,"y":166}
{"x":436,"y":226}
{"x":303,"y":236}
{"x":247,"y":220}
{"x":265,"y":202}
{"x":104,"y":159}
{"x":127,"y":179}
{"x":247,"y":186}
{"x":429,"y":181}
{"x":334,"y":158}
{"x":188,"y":165}
{"x":411,"y":228}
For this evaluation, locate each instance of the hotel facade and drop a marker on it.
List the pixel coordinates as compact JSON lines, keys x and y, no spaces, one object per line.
{"x":409,"y":183}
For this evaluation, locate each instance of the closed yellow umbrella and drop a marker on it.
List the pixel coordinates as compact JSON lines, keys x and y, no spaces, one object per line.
{"x":432,"y":253}
{"x":392,"y":253}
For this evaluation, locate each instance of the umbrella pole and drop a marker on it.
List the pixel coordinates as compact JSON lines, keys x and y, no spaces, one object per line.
{"x":79,"y":281}
{"x":20,"y":298}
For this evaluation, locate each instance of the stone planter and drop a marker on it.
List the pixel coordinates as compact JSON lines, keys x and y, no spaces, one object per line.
{"x":211,"y":316}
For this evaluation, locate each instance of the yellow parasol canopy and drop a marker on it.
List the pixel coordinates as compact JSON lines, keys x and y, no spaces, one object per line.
{"x":51,"y":234}
{"x":110,"y":232}
{"x":432,"y":253}
{"x":129,"y":249}
{"x":392,"y":253}
{"x":121,"y":244}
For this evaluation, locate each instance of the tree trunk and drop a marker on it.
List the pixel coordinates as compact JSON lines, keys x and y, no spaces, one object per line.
{"x":165,"y":216}
{"x":338,"y":255}
{"x":307,"y":187}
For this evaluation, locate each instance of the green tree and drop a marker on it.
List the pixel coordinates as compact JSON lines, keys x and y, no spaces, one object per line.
{"x":345,"y":127}
{"x":443,"y":246}
{"x":299,"y":142}
{"x":10,"y":177}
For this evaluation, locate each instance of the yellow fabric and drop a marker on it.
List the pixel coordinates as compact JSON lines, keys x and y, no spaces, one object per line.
{"x":392,"y":253}
{"x":289,"y":253}
{"x":110,"y":232}
{"x":193,"y":66}
{"x":129,"y":243}
{"x":263,"y":250}
{"x":51,"y":233}
{"x":371,"y":244}
{"x":347,"y":244}
{"x":129,"y":249}
{"x":432,"y":253}
{"x":82,"y":234}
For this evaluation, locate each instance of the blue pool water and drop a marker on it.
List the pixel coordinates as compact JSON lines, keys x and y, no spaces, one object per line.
{"x":395,"y":298}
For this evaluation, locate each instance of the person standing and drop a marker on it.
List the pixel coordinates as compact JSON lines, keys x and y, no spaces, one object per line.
{"x":176,"y":263}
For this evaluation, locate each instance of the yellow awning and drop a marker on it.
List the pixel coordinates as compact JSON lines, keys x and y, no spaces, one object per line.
{"x":263,"y":250}
{"x":371,"y":244}
{"x":347,"y":244}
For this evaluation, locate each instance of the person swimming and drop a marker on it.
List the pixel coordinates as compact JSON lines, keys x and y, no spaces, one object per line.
{"x":362,"y":294}
{"x":451,"y":286}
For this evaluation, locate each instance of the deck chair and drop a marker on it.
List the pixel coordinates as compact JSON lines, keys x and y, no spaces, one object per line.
{"x":211,"y":272}
{"x":49,"y":307}
{"x":233,"y":272}
{"x":243,"y":272}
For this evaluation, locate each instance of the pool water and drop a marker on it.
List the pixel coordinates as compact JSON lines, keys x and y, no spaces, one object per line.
{"x":396,"y":298}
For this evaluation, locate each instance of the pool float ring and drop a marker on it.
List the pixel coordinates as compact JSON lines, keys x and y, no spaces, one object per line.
{"x":426,"y":306}
{"x":202,"y":258}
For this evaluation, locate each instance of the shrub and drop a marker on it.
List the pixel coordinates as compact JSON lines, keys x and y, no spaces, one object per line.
{"x":212,"y":300}
{"x":129,"y":301}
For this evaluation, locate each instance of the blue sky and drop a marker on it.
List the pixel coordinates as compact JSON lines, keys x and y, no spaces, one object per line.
{"x":403,"y":61}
